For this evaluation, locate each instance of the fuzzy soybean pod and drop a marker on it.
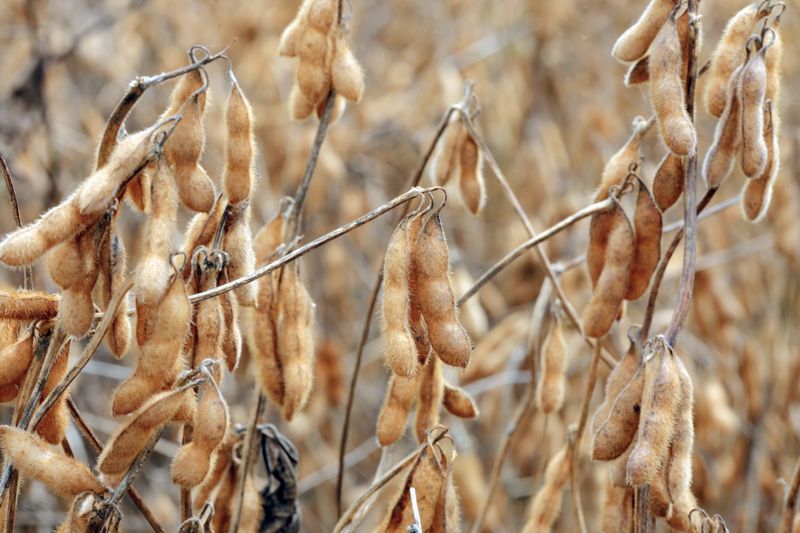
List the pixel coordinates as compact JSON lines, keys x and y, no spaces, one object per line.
{"x":615,"y":433}
{"x":193,"y":460}
{"x":237,"y":178}
{"x":546,"y":505}
{"x":399,"y":349}
{"x":668,"y":181}
{"x":238,"y":243}
{"x":262,"y":340}
{"x":113,"y":270}
{"x":34,"y":459}
{"x":661,"y":398}
{"x":416,"y":322}
{"x":774,"y":61}
{"x":447,"y":514}
{"x":79,"y":514}
{"x":268,"y":238}
{"x":136,"y":431}
{"x":612,"y":284}
{"x":185,"y":146}
{"x":728,"y":55}
{"x":753,"y":155}
{"x":162,"y":332}
{"x":647,"y":229}
{"x":721,"y":155}
{"x":53,"y":425}
{"x":679,"y":473}
{"x":617,"y":379}
{"x":290,"y":38}
{"x":400,"y":395}
{"x":15,"y":359}
{"x":617,"y":513}
{"x":25,"y":305}
{"x":295,"y":341}
{"x":757,"y":193}
{"x":667,"y":93}
{"x":634,"y":43}
{"x":471,"y":182}
{"x":639,"y":72}
{"x":208,"y":324}
{"x":431,"y":392}
{"x":313,"y":78}
{"x":427,"y":476}
{"x":447,"y":336}
{"x":222,"y":460}
{"x":550,"y":389}
{"x":154,"y":270}
{"x":446,"y":162}
{"x":346,"y":73}
{"x":458,"y":402}
{"x":231,"y":334}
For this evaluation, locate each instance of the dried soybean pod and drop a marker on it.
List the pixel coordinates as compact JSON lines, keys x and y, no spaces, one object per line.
{"x":295,"y":342}
{"x":447,"y":336}
{"x":647,"y":230}
{"x":400,"y":395}
{"x":550,"y":389}
{"x":473,"y":188}
{"x":231,"y":335}
{"x":638,"y":72}
{"x":633,"y":44}
{"x":721,"y":155}
{"x":79,"y":514}
{"x":222,"y":460}
{"x":113,"y":269}
{"x":679,"y":474}
{"x":774,"y":60}
{"x":668,"y":181}
{"x":666,"y":92}
{"x":201,"y":231}
{"x":728,"y":55}
{"x":262,"y":340}
{"x":346,"y":73}
{"x":458,"y":402}
{"x":612,"y":284}
{"x":754,"y":87}
{"x":237,"y":178}
{"x":431,"y":391}
{"x":300,"y":107}
{"x":209,"y":322}
{"x":154,"y":271}
{"x":238,"y":243}
{"x":617,"y":513}
{"x":619,"y":166}
{"x":25,"y":305}
{"x":9,"y":392}
{"x":546,"y":504}
{"x":615,"y":434}
{"x":399,"y":349}
{"x":330,"y":371}
{"x":617,"y":379}
{"x":53,"y":425}
{"x":427,"y":476}
{"x":185,"y":146}
{"x":660,"y":402}
{"x":224,"y":500}
{"x":446,"y":163}
{"x":193,"y":460}
{"x":312,"y":79}
{"x":34,"y":459}
{"x":268,"y":238}
{"x":416,"y":323}
{"x":757,"y":193}
{"x":136,"y":431}
{"x":15,"y":359}
{"x":447,"y":514}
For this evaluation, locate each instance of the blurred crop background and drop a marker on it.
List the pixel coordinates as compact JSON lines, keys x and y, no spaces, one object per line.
{"x":554,"y":108}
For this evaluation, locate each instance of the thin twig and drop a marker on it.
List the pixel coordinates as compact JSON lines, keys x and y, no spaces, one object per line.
{"x":247,"y":458}
{"x":92,"y":439}
{"x":790,"y":500}
{"x":362,"y":341}
{"x":27,"y":273}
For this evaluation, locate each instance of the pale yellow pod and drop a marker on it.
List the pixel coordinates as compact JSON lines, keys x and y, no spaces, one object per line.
{"x":667,"y":92}
{"x":728,"y":55}
{"x":15,"y":359}
{"x":431,"y":391}
{"x":399,"y":349}
{"x":546,"y":504}
{"x":346,"y":73}
{"x":552,"y":377}
{"x":636,"y":40}
{"x":193,"y":460}
{"x":721,"y":155}
{"x":435,"y":295}
{"x":295,"y":341}
{"x":446,"y":161}
{"x":112,"y":273}
{"x":300,"y":107}
{"x":268,"y":238}
{"x":679,"y":473}
{"x":753,"y":154}
{"x":136,"y":431}
{"x":661,"y":399}
{"x":647,"y":225}
{"x":238,"y":177}
{"x":238,"y":243}
{"x":757,"y":193}
{"x":312,"y":79}
{"x":231,"y":335}
{"x":400,"y":395}
{"x":34,"y":459}
{"x":668,"y":181}
{"x":53,"y":425}
{"x":458,"y":402}
{"x":471,"y":182}
{"x":25,"y":305}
